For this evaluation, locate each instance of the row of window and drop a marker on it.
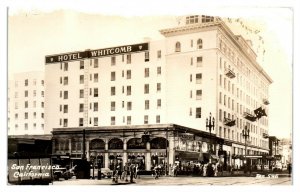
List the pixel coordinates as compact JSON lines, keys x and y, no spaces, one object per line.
{"x":26,"y":115}
{"x":127,"y":120}
{"x":26,"y":104}
{"x":199,"y":45}
{"x":26,"y":94}
{"x":26,"y":82}
{"x":34,"y":125}
{"x":94,"y":106}
{"x":65,"y":66}
{"x":230,"y":134}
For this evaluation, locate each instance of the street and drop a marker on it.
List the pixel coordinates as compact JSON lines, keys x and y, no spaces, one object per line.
{"x":185,"y":180}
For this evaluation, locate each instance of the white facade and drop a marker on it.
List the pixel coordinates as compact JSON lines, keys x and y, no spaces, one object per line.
{"x":26,"y":104}
{"x":191,"y":68}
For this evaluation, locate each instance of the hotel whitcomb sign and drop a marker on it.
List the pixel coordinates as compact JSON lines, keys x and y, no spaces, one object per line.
{"x":96,"y":53}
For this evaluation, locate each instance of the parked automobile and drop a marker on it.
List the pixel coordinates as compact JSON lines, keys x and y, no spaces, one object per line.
{"x":63,"y":172}
{"x":266,"y":167}
{"x":105,"y":172}
{"x":277,"y":167}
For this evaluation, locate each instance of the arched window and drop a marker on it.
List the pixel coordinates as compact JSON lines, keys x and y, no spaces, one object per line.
{"x":159,"y":143}
{"x":177,"y":47}
{"x":199,"y":44}
{"x":115,"y":143}
{"x":97,"y":144}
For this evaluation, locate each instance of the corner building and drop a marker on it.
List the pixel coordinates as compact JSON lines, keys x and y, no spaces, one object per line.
{"x":149,"y":102}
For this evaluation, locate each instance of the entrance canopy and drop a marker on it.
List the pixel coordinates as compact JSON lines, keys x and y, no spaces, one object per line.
{"x":187,"y":156}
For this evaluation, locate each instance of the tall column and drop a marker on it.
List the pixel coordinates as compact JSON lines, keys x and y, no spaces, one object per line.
{"x":53,"y":146}
{"x":125,"y":151}
{"x":87,"y":149}
{"x":148,"y":157}
{"x":106,"y":154}
{"x":70,"y":145}
{"x":171,"y":154}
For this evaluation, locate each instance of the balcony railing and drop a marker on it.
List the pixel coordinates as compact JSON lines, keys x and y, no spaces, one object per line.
{"x":249,"y":116}
{"x":229,"y":122}
{"x":229,"y":73}
{"x":266,"y":101}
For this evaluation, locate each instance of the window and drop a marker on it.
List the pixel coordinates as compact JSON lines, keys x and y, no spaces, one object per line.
{"x":158,"y":87}
{"x":60,"y":94}
{"x":26,"y":93}
{"x":81,"y":107}
{"x":146,"y":104}
{"x":26,"y":104}
{"x":128,"y":120}
{"x":191,"y":94}
{"x":199,"y":61}
{"x":65,"y":80}
{"x":34,"y":81}
{"x":96,"y":77}
{"x":220,"y":114}
{"x":16,"y":116}
{"x":157,"y":118}
{"x":16,"y":105}
{"x":34,"y":125}
{"x":25,"y":115}
{"x":145,"y":119}
{"x":198,"y":112}
{"x":80,"y":122}
{"x":81,"y":66}
{"x":146,"y":88}
{"x":95,"y":106}
{"x":65,"y":94}
{"x":112,"y":120}
{"x":199,"y":94}
{"x":224,"y":100}
{"x":128,"y":59}
{"x":177,"y":47}
{"x":129,"y":106}
{"x":158,"y":70}
{"x":113,"y":60}
{"x":81,"y":93}
{"x":192,"y":42}
{"x":128,"y":90}
{"x":199,"y":44}
{"x":158,"y":103}
{"x":42,"y":94}
{"x":146,"y":72}
{"x":191,"y":111}
{"x":65,"y":108}
{"x":123,"y":104}
{"x":26,"y":126}
{"x":81,"y":79}
{"x":113,"y":91}
{"x":16,"y":94}
{"x":65,"y":122}
{"x":128,"y":74}
{"x":26,"y":82}
{"x":34,"y":115}
{"x":220,"y":81}
{"x":199,"y":78}
{"x":191,"y":77}
{"x":113,"y":76}
{"x":95,"y":121}
{"x":147,"y":56}
{"x":42,"y":115}
{"x":192,"y":61}
{"x":65,"y":66}
{"x":192,"y":19}
{"x":96,"y":63}
{"x":113,"y":106}
{"x":220,"y":98}
{"x":158,"y":54}
{"x":95,"y":92}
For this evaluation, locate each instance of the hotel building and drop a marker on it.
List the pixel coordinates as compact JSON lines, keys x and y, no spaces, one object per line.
{"x":150,"y":102}
{"x":26,"y":104}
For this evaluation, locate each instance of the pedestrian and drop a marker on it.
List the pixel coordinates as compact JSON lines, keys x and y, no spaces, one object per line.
{"x":290,"y":168}
{"x":204,"y":170}
{"x":125,"y":172}
{"x":132,"y":170}
{"x":155,"y":170}
{"x":136,"y":171}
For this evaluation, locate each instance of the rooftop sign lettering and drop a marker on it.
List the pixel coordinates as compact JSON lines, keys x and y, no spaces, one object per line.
{"x":96,"y":53}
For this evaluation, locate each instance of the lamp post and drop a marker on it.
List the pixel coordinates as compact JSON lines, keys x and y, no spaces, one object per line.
{"x":210,"y":124}
{"x":245,"y":134}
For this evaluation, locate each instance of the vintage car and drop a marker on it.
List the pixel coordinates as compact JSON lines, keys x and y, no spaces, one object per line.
{"x":105,"y":172}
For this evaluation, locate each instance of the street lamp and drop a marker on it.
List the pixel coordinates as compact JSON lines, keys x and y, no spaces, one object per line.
{"x":210,"y":124}
{"x":245,"y":134}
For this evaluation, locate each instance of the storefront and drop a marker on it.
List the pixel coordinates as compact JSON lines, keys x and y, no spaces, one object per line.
{"x":147,"y":146}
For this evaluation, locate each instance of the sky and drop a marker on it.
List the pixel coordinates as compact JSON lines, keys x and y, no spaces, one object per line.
{"x":36,"y":32}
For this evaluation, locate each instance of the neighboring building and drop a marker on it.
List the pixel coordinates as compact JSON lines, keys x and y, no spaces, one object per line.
{"x":26,"y":104}
{"x":161,"y":89}
{"x":285,"y":149}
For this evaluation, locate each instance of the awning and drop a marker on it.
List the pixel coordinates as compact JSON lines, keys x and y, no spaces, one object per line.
{"x":188,"y":156}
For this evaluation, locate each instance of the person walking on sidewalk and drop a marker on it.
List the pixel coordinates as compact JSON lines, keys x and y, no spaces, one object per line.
{"x":132,"y":172}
